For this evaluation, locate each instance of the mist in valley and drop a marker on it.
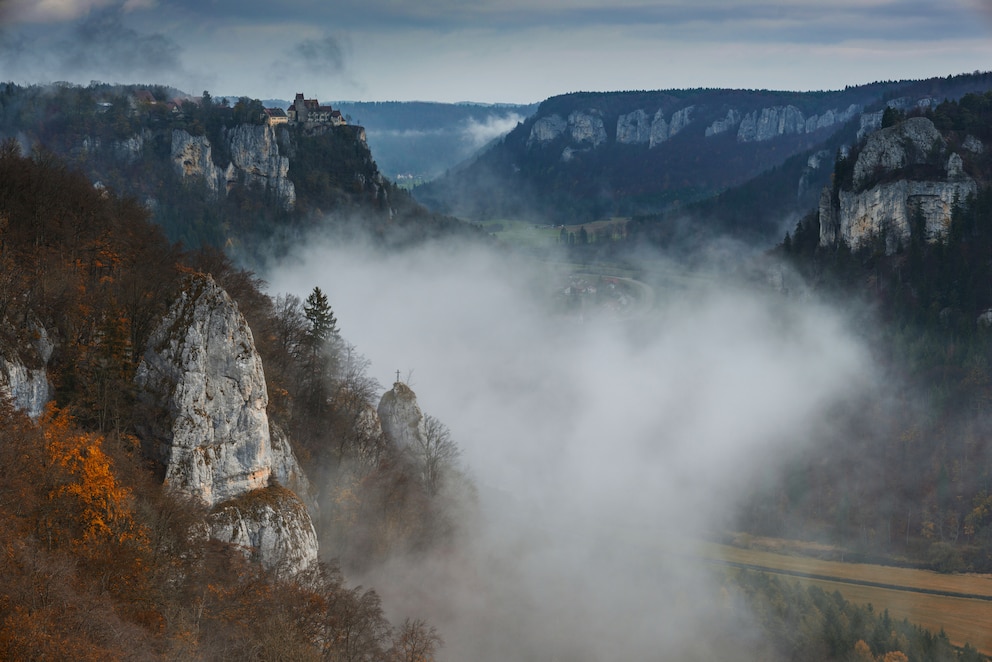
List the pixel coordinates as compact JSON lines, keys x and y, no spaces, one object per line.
{"x":604,"y":450}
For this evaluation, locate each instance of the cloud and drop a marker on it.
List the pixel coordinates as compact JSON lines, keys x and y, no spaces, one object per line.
{"x":479,"y":133}
{"x":604,"y":447}
{"x":47,"y":11}
{"x":319,"y":55}
{"x":101,"y":46}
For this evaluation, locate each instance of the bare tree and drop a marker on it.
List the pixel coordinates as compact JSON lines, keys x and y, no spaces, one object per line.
{"x":415,"y":641}
{"x":434,"y":452}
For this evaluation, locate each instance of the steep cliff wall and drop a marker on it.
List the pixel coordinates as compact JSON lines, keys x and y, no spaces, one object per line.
{"x":203,"y":395}
{"x":255,"y":161}
{"x":886,"y":209}
{"x":28,"y":388}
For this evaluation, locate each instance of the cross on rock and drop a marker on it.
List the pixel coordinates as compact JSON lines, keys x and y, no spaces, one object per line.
{"x":397,"y":376}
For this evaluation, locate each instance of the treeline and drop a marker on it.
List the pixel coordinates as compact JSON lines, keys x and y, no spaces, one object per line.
{"x":804,"y":622}
{"x":100,"y":561}
{"x":908,"y":477}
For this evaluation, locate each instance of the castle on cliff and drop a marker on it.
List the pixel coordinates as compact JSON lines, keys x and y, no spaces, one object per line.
{"x":310,"y":112}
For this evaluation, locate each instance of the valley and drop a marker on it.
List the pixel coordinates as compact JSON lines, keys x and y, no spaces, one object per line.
{"x":960,"y":605}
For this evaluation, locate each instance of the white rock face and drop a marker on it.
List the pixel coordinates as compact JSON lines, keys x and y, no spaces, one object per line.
{"x":769,"y":123}
{"x":202,"y":371}
{"x":889,"y":209}
{"x":722,"y":126}
{"x":203,"y":388}
{"x":28,"y":388}
{"x":659,"y":130}
{"x":907,"y":143}
{"x":662,"y":130}
{"x":271,"y":526}
{"x":973,"y":145}
{"x":587,"y":127}
{"x":634,"y":128}
{"x":255,"y":159}
{"x":680,"y":120}
{"x":191,"y":155}
{"x":870,"y":122}
{"x":400,"y":416}
{"x":547,"y":129}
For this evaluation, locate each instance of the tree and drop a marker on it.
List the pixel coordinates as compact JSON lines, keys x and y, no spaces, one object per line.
{"x":435,"y":453}
{"x":415,"y":641}
{"x":323,"y":324}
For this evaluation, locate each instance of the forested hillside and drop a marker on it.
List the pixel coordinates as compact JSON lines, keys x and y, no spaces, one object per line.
{"x":101,"y":560}
{"x":125,"y":138}
{"x":650,"y":155}
{"x":908,"y":479}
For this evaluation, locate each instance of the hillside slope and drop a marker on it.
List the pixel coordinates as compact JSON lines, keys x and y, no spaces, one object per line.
{"x":587,"y":156}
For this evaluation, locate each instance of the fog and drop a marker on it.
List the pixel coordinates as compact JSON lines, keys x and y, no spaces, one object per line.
{"x":492,"y":127}
{"x":605,"y":448}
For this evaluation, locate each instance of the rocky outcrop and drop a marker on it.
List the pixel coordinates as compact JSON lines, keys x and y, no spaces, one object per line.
{"x":913,"y":142}
{"x":202,"y":392}
{"x":887,"y":211}
{"x":28,"y":387}
{"x":662,"y":130}
{"x":881,"y":206}
{"x":255,"y":160}
{"x":659,"y":130}
{"x":268,"y":525}
{"x":203,"y":377}
{"x":769,"y":123}
{"x":973,"y":145}
{"x":547,"y":129}
{"x":192,"y":157}
{"x":400,"y":416}
{"x":634,"y":128}
{"x":587,"y":127}
{"x":732,"y":119}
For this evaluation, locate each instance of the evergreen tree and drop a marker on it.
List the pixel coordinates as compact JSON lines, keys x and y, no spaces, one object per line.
{"x":323,"y":324}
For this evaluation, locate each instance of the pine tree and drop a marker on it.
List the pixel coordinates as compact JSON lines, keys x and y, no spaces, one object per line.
{"x":323,"y":324}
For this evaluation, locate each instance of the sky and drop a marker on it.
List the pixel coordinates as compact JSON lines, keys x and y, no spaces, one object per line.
{"x":490,"y":51}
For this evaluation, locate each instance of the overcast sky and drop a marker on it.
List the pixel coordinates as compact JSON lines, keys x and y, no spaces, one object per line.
{"x":517,"y":51}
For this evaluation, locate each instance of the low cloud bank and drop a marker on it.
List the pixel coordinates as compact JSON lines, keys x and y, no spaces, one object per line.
{"x":603,"y":449}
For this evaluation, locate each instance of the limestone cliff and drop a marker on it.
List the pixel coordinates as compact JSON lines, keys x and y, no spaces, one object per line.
{"x":269,"y":525}
{"x":582,"y":127}
{"x":772,"y":122}
{"x":401,"y":417}
{"x":634,"y":128}
{"x":203,"y":396}
{"x":732,"y":119}
{"x":881,"y":204}
{"x":255,"y":161}
{"x":28,"y":387}
{"x":913,"y":142}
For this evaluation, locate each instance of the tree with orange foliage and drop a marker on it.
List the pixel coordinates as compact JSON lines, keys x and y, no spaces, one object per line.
{"x":88,"y":509}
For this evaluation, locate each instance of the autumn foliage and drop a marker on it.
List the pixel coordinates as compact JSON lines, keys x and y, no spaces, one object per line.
{"x":98,"y":561}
